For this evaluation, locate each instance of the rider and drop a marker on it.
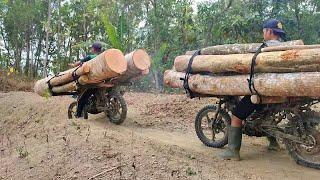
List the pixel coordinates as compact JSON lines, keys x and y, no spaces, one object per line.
{"x":273,"y":35}
{"x":96,"y":49}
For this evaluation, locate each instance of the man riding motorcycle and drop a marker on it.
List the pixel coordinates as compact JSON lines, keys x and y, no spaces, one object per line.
{"x":96,"y":49}
{"x":273,"y":35}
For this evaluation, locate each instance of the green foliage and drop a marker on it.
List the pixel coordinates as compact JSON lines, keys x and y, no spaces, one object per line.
{"x":112,"y":33}
{"x":190,"y":172}
{"x":23,"y":153}
{"x":157,"y":62}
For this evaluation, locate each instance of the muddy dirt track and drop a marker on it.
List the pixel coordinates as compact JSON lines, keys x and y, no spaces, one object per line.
{"x":156,"y":141}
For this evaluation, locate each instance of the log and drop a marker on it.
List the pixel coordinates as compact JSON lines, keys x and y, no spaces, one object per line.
{"x":65,"y":88}
{"x":276,"y":99}
{"x":66,"y":76}
{"x":41,"y":86}
{"x":108,"y":64}
{"x":255,"y":99}
{"x":306,"y":60}
{"x":304,"y":84}
{"x":139,"y":63}
{"x":285,"y":48}
{"x":238,"y":48}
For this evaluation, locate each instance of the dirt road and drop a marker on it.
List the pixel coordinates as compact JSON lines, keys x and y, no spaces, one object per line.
{"x":156,"y":141}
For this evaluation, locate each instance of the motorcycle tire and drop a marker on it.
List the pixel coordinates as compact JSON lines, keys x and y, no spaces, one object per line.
{"x":116,"y":101}
{"x":224,"y":118}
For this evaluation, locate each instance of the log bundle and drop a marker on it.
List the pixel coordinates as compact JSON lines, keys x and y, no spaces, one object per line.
{"x":288,"y":70}
{"x":111,"y":64}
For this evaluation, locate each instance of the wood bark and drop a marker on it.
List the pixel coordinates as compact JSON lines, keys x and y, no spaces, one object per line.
{"x":279,"y":61}
{"x":267,"y":84}
{"x":65,"y":88}
{"x":255,"y":99}
{"x":285,"y":48}
{"x":238,"y":48}
{"x":66,"y":76}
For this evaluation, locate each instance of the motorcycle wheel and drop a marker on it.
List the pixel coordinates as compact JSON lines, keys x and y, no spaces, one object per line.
{"x":306,"y":155}
{"x":117,"y":112}
{"x":72,"y":110}
{"x":212,"y":133}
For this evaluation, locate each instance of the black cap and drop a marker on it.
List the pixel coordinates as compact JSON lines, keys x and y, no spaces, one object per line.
{"x":275,"y":25}
{"x":97,"y":46}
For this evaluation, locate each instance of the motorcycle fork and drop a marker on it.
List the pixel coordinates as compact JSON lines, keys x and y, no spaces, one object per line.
{"x":218,"y":110}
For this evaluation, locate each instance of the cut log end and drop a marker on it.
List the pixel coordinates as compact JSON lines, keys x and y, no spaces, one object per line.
{"x":115,"y":61}
{"x":141,"y":59}
{"x":41,"y":86}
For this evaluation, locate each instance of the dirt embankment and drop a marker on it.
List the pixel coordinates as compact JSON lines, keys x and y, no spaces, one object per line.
{"x":14,"y":82}
{"x":156,"y":141}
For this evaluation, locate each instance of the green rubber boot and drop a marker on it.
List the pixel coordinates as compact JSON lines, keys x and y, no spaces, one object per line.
{"x":273,"y":144}
{"x":234,"y":144}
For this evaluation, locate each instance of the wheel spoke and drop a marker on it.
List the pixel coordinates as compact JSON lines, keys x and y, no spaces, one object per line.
{"x":213,"y":134}
{"x":209,"y":121}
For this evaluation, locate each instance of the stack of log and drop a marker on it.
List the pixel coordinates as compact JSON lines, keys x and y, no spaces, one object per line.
{"x":288,"y":70}
{"x":111,"y":66}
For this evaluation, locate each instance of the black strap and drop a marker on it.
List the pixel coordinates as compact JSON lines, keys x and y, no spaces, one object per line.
{"x":251,"y":79}
{"x":50,"y":86}
{"x":75,"y":78}
{"x":74,"y":74}
{"x":187,"y":75}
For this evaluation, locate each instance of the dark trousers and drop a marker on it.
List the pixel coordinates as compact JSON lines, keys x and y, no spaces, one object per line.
{"x":83,"y":99}
{"x":245,"y":108}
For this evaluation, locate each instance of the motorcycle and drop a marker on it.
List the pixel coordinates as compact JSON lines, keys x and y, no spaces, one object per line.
{"x":294,"y":123}
{"x":105,"y":99}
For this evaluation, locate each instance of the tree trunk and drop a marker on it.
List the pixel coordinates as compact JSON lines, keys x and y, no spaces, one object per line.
{"x":45,"y":73}
{"x":27,"y":65}
{"x":31,"y":65}
{"x":17,"y":55}
{"x":38,"y":54}
{"x":267,"y":84}
{"x":59,"y":34}
{"x":280,"y":61}
{"x":158,"y":80}
{"x":238,"y":48}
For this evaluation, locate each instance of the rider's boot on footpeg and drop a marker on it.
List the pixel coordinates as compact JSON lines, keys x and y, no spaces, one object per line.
{"x":234,"y":144}
{"x":273,"y":144}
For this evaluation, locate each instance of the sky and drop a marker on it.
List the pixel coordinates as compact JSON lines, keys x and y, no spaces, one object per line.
{"x":195,"y":2}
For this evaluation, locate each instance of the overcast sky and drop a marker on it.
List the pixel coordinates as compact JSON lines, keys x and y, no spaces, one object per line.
{"x":195,"y":2}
